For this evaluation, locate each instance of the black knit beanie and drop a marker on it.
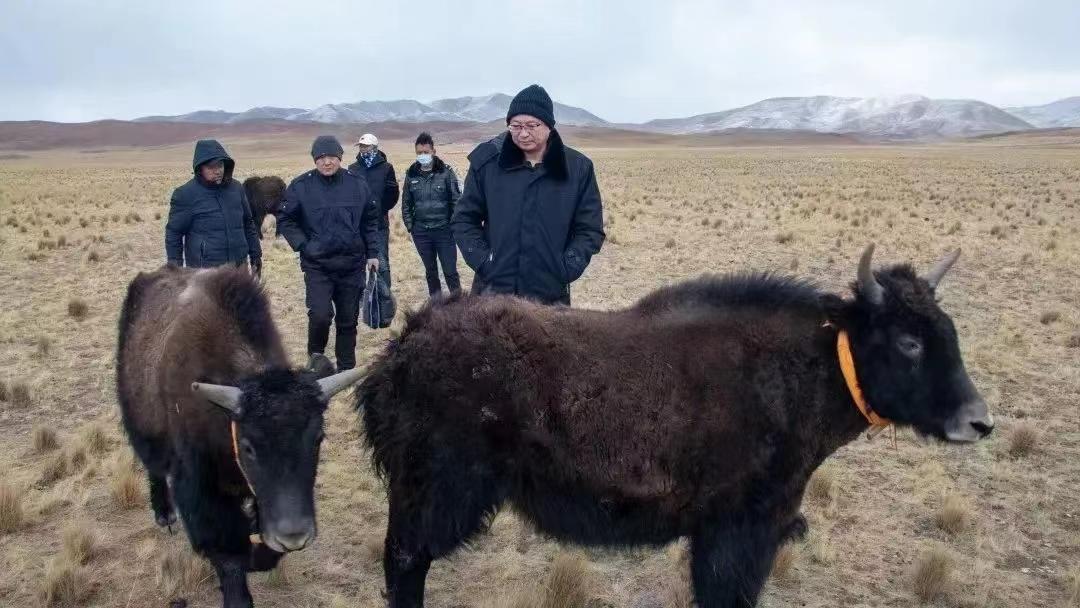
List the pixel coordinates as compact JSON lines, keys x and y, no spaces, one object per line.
{"x":534,"y":101}
{"x":326,"y":145}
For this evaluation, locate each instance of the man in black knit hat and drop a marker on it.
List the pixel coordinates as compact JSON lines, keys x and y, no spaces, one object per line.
{"x":332,"y":219}
{"x":530,"y":217}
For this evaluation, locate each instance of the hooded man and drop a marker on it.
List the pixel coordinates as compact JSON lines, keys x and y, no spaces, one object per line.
{"x":209,"y":217}
{"x":331,"y":218}
{"x":530,"y":217}
{"x":372,"y":165}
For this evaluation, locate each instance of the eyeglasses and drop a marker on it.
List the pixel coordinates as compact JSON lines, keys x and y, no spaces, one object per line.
{"x":532,"y":127}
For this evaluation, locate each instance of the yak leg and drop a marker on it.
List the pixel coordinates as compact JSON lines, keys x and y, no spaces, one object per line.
{"x":729,"y":565}
{"x":217,"y":528}
{"x":160,"y":501}
{"x":454,"y":506}
{"x":157,"y":458}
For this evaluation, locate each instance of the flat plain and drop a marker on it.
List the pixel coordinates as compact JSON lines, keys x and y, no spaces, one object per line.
{"x":992,"y":525}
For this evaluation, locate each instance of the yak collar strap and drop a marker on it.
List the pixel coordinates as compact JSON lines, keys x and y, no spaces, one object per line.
{"x":255,"y":538}
{"x":847,"y":366}
{"x":236,"y":455}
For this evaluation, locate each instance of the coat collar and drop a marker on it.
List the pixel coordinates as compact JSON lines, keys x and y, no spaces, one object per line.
{"x":511,"y":156}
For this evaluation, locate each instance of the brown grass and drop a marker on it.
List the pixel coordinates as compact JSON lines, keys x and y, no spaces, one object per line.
{"x":65,"y":585}
{"x":95,"y":438}
{"x":126,"y":488}
{"x":5,"y":393}
{"x":281,"y":576}
{"x":20,"y":395}
{"x":78,"y":309}
{"x":1023,"y":440}
{"x":783,"y":568}
{"x":44,"y":439}
{"x":80,"y":543}
{"x":822,"y":485}
{"x":954,"y":516}
{"x":181,"y":572}
{"x":54,"y":469}
{"x":77,"y":456}
{"x":1049,"y":317}
{"x":11,"y":508}
{"x":933,"y":571}
{"x":1072,"y":586}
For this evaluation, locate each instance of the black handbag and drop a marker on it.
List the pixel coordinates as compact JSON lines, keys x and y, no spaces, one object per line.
{"x":379,"y":307}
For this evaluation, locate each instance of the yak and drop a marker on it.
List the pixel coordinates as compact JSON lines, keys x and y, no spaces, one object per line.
{"x":265,"y":195}
{"x":228,"y":432}
{"x":701,"y":411}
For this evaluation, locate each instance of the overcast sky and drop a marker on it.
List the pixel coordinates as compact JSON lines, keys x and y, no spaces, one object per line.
{"x":625,"y":61}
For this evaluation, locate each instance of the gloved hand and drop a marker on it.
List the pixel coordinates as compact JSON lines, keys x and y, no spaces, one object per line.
{"x":256,"y":267}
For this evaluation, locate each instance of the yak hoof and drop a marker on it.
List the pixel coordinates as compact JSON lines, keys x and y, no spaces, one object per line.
{"x":168,"y":520}
{"x":797,"y":529}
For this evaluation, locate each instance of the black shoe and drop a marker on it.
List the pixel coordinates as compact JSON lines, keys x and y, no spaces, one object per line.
{"x":321,"y":365}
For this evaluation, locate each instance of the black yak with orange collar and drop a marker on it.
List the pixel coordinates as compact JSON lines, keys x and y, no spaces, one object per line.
{"x":217,"y":416}
{"x":699,"y":412}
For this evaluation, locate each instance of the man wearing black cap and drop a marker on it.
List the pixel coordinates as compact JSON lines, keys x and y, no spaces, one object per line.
{"x":209,"y":217}
{"x":331,"y":218}
{"x":530,"y":218}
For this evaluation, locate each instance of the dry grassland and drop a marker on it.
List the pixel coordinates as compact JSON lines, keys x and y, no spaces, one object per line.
{"x":994,"y":525}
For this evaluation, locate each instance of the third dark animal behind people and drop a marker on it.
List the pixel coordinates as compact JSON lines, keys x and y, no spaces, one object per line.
{"x":530,"y":217}
{"x":331,"y":218}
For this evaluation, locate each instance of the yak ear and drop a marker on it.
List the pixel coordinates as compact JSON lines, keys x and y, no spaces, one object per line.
{"x":225,"y":397}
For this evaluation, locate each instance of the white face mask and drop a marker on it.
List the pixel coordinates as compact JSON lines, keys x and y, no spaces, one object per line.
{"x":425,"y":159}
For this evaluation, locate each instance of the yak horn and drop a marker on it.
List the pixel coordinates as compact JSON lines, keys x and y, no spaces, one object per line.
{"x":938,"y":271}
{"x":227,"y":397}
{"x":332,"y":385}
{"x":868,"y":285}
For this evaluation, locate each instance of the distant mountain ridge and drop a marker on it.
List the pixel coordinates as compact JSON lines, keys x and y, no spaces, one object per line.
{"x":901,"y":117}
{"x":484,"y":108}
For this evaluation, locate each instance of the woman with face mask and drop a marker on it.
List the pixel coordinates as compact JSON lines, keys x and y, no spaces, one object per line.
{"x":427,"y":203}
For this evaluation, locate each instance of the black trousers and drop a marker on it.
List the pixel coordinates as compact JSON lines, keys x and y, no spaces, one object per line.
{"x":437,"y":247}
{"x":334,"y":297}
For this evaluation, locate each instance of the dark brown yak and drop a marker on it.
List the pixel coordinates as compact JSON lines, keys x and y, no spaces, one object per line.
{"x":265,"y":195}
{"x":701,"y":411}
{"x":217,"y":416}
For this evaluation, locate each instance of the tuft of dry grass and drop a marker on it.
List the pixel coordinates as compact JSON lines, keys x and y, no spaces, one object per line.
{"x":5,"y":394}
{"x":1072,"y":586}
{"x":783,"y":568}
{"x":54,"y":469}
{"x":374,"y":545}
{"x":44,"y":347}
{"x":1073,"y":341}
{"x":20,"y":395}
{"x":785,"y":237}
{"x":11,"y":508}
{"x":933,"y":570}
{"x":65,"y":585}
{"x":44,"y":439}
{"x":281,"y":576}
{"x":822,"y":485}
{"x":954,"y":515}
{"x":78,"y":309}
{"x":95,"y":438}
{"x":570,"y":583}
{"x":93,"y":256}
{"x":1049,"y":317}
{"x":1023,"y":440}
{"x":80,"y":543}
{"x":126,"y":488}
{"x":77,"y":456}
{"x":180,"y":571}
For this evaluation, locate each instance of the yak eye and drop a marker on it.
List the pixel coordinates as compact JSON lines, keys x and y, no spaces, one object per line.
{"x":910,"y":346}
{"x":249,"y":451}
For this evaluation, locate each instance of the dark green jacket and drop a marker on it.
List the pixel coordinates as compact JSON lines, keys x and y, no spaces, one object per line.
{"x":428,"y":197}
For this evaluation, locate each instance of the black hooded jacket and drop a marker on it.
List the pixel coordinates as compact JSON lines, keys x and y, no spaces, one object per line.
{"x":210,"y":224}
{"x":382,"y":181}
{"x":525,"y":230}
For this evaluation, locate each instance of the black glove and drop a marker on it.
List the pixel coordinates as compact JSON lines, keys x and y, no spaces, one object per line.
{"x":256,"y":267}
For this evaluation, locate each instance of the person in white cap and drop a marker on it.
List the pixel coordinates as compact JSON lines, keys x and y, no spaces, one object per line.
{"x":373,"y":167}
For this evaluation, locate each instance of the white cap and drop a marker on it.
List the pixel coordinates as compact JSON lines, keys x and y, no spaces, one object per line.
{"x":367,"y":139}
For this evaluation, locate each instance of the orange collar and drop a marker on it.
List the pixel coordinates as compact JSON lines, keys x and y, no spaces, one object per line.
{"x":236,"y":455}
{"x":847,"y":366}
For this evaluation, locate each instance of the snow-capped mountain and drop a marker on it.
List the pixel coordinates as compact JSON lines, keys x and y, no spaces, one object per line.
{"x":1061,"y":113}
{"x":901,"y":117}
{"x":461,"y":109}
